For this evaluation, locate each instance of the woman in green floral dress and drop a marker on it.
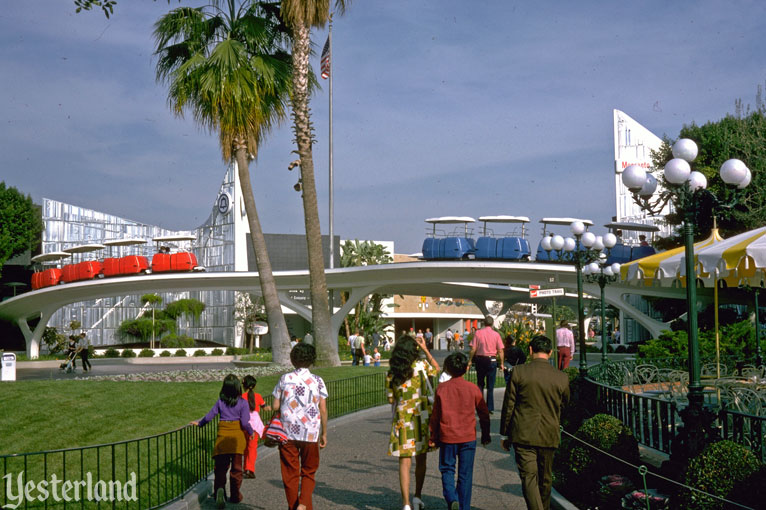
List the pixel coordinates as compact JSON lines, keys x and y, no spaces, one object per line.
{"x":408,"y":393}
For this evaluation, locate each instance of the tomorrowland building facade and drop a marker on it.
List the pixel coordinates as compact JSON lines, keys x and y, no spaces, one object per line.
{"x":222,"y":243}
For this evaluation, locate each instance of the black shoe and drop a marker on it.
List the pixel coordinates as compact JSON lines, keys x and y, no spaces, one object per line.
{"x":249,"y":474}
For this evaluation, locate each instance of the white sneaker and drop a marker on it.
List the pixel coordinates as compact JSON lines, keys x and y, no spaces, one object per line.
{"x":406,"y":507}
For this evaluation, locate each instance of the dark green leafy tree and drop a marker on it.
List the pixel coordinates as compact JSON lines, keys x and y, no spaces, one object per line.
{"x":367,"y":313}
{"x":735,"y":136}
{"x":20,"y":223}
{"x":225,"y":64}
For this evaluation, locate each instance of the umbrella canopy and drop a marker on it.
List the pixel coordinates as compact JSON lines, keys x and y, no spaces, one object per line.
{"x":737,"y":259}
{"x":664,"y":267}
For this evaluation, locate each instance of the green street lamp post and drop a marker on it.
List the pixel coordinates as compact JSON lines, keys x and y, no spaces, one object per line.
{"x":684,"y":188}
{"x":602,"y":273}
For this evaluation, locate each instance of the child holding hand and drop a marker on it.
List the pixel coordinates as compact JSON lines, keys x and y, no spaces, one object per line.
{"x":255,"y":402}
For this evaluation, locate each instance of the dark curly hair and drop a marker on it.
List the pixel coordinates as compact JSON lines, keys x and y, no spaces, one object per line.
{"x":405,"y":352}
{"x":303,"y":355}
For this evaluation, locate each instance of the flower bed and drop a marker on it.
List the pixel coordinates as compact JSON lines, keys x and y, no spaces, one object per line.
{"x":192,"y":375}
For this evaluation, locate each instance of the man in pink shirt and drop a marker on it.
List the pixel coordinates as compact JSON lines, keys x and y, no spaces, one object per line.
{"x":487,"y":351}
{"x":565,"y":343}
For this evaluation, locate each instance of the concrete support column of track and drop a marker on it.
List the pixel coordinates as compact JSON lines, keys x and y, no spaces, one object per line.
{"x":31,"y":337}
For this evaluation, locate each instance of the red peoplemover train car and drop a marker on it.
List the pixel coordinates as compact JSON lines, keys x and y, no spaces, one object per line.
{"x":128,"y":265}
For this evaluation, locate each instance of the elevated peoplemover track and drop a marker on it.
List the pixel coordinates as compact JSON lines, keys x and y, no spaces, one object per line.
{"x":472,"y":280}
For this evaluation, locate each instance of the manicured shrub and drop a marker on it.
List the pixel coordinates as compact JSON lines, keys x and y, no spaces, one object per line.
{"x":175,"y":341}
{"x":199,"y":353}
{"x":217,"y":352}
{"x":580,"y":467}
{"x":128,"y":353}
{"x":180,"y":353}
{"x":165,"y":354}
{"x":717,"y":470}
{"x":146,"y":353}
{"x":111,"y":352}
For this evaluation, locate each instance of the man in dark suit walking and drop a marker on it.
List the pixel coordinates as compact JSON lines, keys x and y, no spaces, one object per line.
{"x":530,"y":419}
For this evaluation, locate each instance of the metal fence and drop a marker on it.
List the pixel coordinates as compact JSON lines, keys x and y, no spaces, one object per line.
{"x":653,"y":420}
{"x":745,"y":429}
{"x":144,"y":473}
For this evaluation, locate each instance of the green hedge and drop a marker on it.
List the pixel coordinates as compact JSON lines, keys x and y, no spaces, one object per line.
{"x":146,"y":353}
{"x":128,"y":353}
{"x":180,"y":353}
{"x":579,"y":467}
{"x":717,"y":470}
{"x":111,"y":352}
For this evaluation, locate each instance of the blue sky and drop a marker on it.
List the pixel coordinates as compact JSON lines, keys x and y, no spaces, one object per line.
{"x":441,"y":108}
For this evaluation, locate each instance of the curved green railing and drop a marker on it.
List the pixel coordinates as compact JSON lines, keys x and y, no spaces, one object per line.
{"x":149,"y":472}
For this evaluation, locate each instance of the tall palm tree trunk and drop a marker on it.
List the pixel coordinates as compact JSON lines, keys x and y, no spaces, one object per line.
{"x":280,"y":338}
{"x":326,"y":340}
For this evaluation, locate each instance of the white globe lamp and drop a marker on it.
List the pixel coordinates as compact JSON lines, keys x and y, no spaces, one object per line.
{"x":733,"y":171}
{"x":685,"y":149}
{"x":610,"y":240}
{"x":634,"y":177}
{"x":677,"y":171}
{"x":557,"y":242}
{"x":697,"y":181}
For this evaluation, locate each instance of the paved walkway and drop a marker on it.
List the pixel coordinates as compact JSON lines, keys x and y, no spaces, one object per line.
{"x":356,"y":473}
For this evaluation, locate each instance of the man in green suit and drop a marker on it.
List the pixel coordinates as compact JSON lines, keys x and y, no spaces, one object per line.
{"x":530,"y":419}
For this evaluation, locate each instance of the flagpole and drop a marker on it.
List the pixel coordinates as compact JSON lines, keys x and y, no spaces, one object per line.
{"x":331,"y":193}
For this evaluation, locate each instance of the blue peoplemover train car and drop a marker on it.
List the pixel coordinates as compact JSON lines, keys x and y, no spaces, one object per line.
{"x":511,"y":245}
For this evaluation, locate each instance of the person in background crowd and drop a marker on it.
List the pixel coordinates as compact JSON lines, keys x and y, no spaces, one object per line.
{"x":376,"y":357}
{"x":642,"y":240}
{"x":308,"y":338}
{"x":450,"y":339}
{"x":429,"y":338}
{"x":84,"y":352}
{"x":301,"y":398}
{"x":407,"y":389}
{"x":565,"y":343}
{"x":453,"y":430}
{"x":487,"y":349}
{"x":530,"y":420}
{"x":359,"y":347}
{"x":352,"y":346}
{"x":513,"y":355}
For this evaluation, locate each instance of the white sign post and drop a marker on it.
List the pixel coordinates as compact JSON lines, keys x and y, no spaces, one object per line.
{"x":539,"y":293}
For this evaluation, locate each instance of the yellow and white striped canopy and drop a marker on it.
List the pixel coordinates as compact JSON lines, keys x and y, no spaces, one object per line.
{"x":738,"y":259}
{"x":666,"y":267}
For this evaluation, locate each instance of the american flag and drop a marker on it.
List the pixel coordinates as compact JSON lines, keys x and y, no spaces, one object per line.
{"x":326,"y":59}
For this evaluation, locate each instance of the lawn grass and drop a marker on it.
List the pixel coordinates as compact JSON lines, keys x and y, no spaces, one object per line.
{"x":50,"y":415}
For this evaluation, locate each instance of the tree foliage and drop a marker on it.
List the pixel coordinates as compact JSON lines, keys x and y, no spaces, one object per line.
{"x":741,"y":136}
{"x":367,"y":313}
{"x":188,"y":307}
{"x":20,"y":223}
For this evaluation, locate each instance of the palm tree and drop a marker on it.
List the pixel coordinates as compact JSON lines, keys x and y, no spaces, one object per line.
{"x":225,"y":64}
{"x":300,"y":16}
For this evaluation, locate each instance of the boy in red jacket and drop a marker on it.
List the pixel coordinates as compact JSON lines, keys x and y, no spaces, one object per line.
{"x":453,"y":430}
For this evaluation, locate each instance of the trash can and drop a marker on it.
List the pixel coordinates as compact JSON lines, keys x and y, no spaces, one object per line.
{"x":8,"y":372}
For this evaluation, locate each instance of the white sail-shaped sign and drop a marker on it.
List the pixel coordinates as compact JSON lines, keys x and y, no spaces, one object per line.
{"x":633,"y":145}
